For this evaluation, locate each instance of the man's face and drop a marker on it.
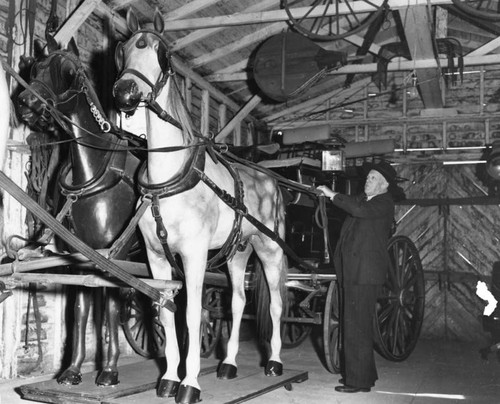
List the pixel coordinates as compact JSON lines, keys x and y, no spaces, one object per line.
{"x":375,"y":184}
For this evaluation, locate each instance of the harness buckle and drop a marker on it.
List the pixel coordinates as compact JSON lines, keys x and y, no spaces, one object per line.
{"x":155,"y":208}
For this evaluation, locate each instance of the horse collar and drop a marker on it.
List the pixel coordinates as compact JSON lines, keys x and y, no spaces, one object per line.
{"x":186,"y":179}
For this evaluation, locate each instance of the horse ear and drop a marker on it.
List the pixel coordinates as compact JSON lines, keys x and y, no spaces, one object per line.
{"x":39,"y":49}
{"x":72,"y":47}
{"x":158,"y":22}
{"x":52,"y":45}
{"x":132,"y":21}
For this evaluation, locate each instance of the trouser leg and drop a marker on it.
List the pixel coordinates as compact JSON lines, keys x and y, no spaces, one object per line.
{"x":359,"y":310}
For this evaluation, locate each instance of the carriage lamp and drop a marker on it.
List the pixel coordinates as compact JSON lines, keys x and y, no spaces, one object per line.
{"x":412,"y":90}
{"x":333,"y":160}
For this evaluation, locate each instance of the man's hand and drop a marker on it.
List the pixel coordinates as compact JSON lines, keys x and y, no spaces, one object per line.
{"x":326,"y":191}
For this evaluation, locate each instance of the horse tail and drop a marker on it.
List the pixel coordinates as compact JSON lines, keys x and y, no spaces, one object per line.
{"x":262,"y":299}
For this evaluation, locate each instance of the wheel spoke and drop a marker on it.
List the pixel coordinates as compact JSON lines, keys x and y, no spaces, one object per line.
{"x":331,"y":23}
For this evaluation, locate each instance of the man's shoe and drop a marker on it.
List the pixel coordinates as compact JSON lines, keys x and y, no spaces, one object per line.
{"x":351,"y":389}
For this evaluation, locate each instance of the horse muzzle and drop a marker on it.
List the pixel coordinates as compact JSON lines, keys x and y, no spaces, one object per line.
{"x":31,"y":110}
{"x":127,"y":95}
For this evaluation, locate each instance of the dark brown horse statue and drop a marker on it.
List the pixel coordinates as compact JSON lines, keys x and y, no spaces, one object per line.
{"x":98,"y":177}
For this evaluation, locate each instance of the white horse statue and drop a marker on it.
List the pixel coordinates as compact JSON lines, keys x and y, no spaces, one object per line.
{"x":189,"y":217}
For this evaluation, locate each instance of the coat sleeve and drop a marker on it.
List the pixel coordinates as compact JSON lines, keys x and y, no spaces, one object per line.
{"x":379,"y":206}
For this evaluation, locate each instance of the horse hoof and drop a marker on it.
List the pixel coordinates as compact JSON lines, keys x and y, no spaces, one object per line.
{"x":167,"y":388}
{"x":70,"y":378}
{"x":227,"y":371}
{"x":187,"y":395}
{"x":107,"y":377}
{"x":274,"y":368}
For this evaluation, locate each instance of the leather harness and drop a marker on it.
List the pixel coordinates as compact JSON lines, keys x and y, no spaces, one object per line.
{"x":189,"y":174}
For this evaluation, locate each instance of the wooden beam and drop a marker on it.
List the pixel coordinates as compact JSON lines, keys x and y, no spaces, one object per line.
{"x":238,"y":118}
{"x":393,"y":66}
{"x":77,"y":18}
{"x":319,"y":100}
{"x":245,"y":42}
{"x":205,"y":113}
{"x":420,"y":43}
{"x":201,"y":34}
{"x":357,"y":7}
{"x":486,"y":48}
{"x":190,"y":7}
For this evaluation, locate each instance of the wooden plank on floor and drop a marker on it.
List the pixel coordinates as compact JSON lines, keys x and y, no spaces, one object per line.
{"x":134,"y":378}
{"x":250,"y":383}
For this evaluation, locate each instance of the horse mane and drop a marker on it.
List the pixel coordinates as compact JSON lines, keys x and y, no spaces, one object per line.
{"x":177,"y":106}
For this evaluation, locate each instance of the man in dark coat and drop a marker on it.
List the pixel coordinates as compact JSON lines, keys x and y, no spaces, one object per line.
{"x":361,"y":261}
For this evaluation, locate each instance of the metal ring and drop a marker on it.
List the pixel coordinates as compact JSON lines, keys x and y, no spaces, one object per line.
{"x":105,"y":126}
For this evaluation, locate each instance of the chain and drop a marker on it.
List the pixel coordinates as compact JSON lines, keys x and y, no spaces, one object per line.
{"x":99,"y":118}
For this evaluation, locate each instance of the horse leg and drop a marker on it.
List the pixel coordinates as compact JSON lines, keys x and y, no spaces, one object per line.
{"x":169,"y":382}
{"x":237,"y":266}
{"x":109,"y":374}
{"x":275,"y":267}
{"x":72,"y":375}
{"x":194,"y":270}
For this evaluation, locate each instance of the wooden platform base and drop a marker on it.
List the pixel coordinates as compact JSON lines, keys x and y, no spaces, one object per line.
{"x":250,"y":383}
{"x":134,"y":378}
{"x":138,"y":382}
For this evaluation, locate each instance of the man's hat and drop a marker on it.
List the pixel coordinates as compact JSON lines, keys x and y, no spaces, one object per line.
{"x":390,"y":175}
{"x":384,"y":168}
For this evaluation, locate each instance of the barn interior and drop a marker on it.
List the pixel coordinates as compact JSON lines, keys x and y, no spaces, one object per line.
{"x":294,"y":86}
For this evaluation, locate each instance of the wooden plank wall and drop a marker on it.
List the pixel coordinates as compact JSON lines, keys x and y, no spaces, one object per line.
{"x":458,"y":245}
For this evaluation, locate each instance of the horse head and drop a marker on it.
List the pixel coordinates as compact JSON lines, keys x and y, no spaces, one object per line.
{"x":55,"y":77}
{"x":142,"y":62}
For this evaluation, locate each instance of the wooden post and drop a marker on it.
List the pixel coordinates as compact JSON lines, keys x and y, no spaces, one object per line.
{"x":205,"y":113}
{"x":242,"y":113}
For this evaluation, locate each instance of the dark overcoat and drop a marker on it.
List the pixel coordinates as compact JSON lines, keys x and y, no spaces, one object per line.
{"x":361,"y":256}
{"x":361,"y":261}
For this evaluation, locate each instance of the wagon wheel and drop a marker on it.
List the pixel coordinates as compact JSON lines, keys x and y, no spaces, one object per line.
{"x":211,"y":321}
{"x":330,"y":22}
{"x":484,"y":9}
{"x":400,"y":310}
{"x":331,"y":329}
{"x":293,"y":333}
{"x":141,"y":325}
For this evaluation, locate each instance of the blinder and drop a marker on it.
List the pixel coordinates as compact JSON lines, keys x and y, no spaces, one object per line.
{"x":119,"y":56}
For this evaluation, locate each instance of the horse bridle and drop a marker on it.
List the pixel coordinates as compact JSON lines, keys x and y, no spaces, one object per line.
{"x":164,"y":60}
{"x":83,"y":82}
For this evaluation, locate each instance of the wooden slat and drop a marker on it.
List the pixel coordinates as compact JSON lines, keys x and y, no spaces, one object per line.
{"x":134,"y":378}
{"x":357,"y":7}
{"x":71,"y":25}
{"x":238,"y":118}
{"x":205,"y":113}
{"x":201,"y":34}
{"x":245,"y":42}
{"x":190,"y":7}
{"x":394,"y":66}
{"x":420,"y":43}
